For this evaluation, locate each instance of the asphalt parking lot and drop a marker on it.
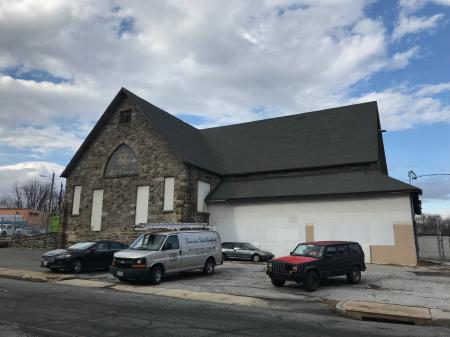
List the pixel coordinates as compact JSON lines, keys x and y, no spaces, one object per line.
{"x":417,"y":286}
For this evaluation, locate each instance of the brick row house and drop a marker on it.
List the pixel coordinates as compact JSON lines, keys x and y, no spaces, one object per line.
{"x":314,"y":176}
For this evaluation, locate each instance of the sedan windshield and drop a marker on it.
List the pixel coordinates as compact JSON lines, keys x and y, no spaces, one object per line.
{"x":82,"y":245}
{"x":148,"y":242}
{"x":308,"y":250}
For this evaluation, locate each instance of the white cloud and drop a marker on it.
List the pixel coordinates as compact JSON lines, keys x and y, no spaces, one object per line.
{"x":223,"y":61}
{"x":40,"y":140}
{"x":403,"y":107}
{"x":414,"y":24}
{"x":411,"y":6}
{"x":23,"y":171}
{"x":402,"y":59}
{"x":284,"y":58}
{"x":433,"y":89}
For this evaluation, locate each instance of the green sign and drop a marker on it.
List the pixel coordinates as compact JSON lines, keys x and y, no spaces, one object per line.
{"x":54,"y":224}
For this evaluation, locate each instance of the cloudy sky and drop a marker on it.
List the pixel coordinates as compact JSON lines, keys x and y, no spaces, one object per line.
{"x":221,"y":62}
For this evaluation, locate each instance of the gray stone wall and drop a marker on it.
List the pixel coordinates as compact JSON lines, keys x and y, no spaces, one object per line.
{"x":40,"y":241}
{"x":156,"y":160}
{"x":208,"y":177}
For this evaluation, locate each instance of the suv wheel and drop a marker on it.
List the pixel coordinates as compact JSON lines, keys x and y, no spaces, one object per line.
{"x":208,"y":269}
{"x":76,"y":266}
{"x":224,"y":257}
{"x":312,"y":280}
{"x":256,"y":258}
{"x":156,"y":274}
{"x":355,"y":276}
{"x":278,"y":283}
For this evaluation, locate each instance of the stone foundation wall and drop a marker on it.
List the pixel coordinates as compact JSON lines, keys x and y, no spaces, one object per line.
{"x":40,"y":241}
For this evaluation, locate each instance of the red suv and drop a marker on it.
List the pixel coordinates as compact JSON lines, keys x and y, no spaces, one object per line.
{"x":310,"y":262}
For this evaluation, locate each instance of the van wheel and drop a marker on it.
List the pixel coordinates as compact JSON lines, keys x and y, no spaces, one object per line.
{"x":312,"y":280}
{"x":256,"y":258}
{"x":355,"y":276}
{"x":156,"y":274}
{"x":76,"y":266}
{"x":278,"y":283}
{"x":208,"y":269}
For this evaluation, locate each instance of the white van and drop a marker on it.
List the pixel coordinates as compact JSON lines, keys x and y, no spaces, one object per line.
{"x":153,"y":255}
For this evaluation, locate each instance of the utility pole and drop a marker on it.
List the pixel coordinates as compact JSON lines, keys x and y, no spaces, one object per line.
{"x":60,"y":198}
{"x":50,"y":202}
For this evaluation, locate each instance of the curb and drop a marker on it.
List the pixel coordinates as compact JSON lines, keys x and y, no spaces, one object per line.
{"x":393,"y":313}
{"x":34,"y":276}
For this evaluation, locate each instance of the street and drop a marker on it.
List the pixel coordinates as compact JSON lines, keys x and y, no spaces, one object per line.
{"x":41,"y":309}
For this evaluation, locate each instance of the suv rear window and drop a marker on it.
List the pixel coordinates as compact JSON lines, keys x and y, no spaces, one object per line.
{"x":355,"y":249}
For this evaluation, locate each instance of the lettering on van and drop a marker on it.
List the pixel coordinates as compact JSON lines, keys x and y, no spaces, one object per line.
{"x":202,"y":239}
{"x":202,"y":250}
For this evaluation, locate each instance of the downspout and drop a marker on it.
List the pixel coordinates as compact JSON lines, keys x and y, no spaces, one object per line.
{"x":413,"y":217}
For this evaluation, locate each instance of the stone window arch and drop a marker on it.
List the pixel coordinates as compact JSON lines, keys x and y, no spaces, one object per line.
{"x":122,"y":163}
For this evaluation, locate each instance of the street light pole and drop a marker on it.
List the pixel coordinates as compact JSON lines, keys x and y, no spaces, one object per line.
{"x":51,"y":195}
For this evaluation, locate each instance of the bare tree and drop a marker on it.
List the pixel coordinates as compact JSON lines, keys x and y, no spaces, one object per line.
{"x":35,"y":194}
{"x":32,"y":194}
{"x":426,"y":224}
{"x":17,"y":197}
{"x":6,"y":202}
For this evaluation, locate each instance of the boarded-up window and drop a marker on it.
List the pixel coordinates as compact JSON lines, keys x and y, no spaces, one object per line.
{"x":96,"y":215}
{"x":122,"y":163}
{"x":169,"y":189}
{"x":125,"y":117}
{"x":202,"y":193}
{"x":142,"y":204}
{"x":76,"y":200}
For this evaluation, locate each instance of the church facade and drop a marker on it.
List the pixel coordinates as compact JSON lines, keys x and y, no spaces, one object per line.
{"x":314,"y":176}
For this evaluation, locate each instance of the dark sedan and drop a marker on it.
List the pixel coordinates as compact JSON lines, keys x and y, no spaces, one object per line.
{"x":87,"y":255}
{"x":244,"y":251}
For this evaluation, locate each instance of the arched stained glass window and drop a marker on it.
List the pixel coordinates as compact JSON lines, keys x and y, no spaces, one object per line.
{"x":122,"y":163}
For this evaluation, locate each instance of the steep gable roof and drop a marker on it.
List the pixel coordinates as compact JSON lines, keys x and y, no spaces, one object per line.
{"x":340,"y":136}
{"x":183,"y":138}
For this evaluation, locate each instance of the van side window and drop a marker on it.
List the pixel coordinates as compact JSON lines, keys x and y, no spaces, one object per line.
{"x":173,"y":240}
{"x":228,"y":245}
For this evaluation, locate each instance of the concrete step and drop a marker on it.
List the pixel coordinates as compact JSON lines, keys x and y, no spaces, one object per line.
{"x":394,"y":313}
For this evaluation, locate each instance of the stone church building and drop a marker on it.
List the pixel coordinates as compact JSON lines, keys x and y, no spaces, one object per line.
{"x":313,"y":176}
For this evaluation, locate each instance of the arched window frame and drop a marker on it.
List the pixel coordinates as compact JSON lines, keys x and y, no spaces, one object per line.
{"x":111,"y":155}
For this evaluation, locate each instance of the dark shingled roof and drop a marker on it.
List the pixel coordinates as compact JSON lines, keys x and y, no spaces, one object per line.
{"x":332,"y":137}
{"x":309,"y":185}
{"x":183,"y":138}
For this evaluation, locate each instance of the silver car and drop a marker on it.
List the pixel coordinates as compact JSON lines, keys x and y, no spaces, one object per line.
{"x":244,"y":251}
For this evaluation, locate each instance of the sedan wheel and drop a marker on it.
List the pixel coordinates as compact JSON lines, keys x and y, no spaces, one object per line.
{"x":76,"y":266}
{"x":256,"y":258}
